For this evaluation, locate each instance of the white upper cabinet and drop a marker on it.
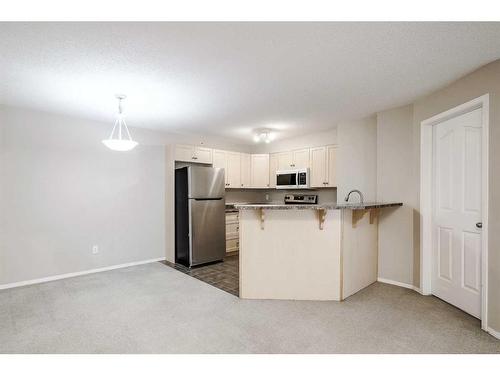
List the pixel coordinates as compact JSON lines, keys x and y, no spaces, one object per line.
{"x":293,"y":159}
{"x":284,"y":160}
{"x":246,"y":173}
{"x":193,"y":154}
{"x":230,"y":161}
{"x":219,"y":159}
{"x":301,"y":158}
{"x":184,"y":153}
{"x":260,"y":170}
{"x":233,"y":170}
{"x":319,"y":167}
{"x":273,"y":167}
{"x":203,"y":155}
{"x":324,"y":166}
{"x":332,"y":166}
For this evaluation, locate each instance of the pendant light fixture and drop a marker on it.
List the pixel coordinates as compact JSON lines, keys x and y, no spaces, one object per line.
{"x":121,"y":141}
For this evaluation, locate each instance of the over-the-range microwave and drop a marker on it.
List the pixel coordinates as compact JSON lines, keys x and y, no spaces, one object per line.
{"x":293,"y":179}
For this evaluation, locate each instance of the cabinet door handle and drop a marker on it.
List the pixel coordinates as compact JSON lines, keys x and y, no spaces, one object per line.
{"x":479,"y":225}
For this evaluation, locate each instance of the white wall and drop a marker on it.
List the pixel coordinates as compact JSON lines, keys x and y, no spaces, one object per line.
{"x":61,"y":191}
{"x":482,"y":81}
{"x":243,"y":196}
{"x":399,"y":162}
{"x":395,"y":183}
{"x":356,"y":158}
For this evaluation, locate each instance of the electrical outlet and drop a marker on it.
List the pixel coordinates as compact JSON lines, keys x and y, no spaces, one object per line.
{"x":267,"y":197}
{"x":95,"y":249}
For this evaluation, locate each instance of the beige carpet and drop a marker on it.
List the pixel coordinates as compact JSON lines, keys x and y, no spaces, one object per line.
{"x":156,"y":309}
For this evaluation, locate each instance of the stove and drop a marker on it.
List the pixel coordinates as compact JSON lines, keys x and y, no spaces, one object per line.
{"x":301,"y":199}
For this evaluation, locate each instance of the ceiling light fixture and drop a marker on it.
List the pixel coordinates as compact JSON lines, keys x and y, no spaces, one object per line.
{"x":264,"y":135}
{"x":119,"y":143}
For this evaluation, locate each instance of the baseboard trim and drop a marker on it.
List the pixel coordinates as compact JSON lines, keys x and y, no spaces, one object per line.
{"x":74,"y":274}
{"x":493,"y":333}
{"x":398,"y":283}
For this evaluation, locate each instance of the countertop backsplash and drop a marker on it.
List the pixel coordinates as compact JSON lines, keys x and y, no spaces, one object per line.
{"x":257,"y":196}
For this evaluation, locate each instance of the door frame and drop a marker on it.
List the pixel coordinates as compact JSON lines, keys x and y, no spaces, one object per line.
{"x":426,"y":196}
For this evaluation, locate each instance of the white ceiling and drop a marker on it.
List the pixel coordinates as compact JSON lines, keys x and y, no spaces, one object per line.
{"x":227,"y":79}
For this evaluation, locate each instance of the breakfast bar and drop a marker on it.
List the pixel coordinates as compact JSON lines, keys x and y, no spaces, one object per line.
{"x":308,"y":252}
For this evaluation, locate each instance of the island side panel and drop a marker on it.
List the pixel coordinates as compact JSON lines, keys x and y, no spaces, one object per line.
{"x":291,"y":258}
{"x":359,"y":252}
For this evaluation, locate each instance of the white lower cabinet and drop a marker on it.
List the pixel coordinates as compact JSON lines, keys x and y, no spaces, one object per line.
{"x":260,"y":171}
{"x":232,"y":232}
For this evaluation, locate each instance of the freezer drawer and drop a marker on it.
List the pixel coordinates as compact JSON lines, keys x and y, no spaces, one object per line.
{"x":208,"y":230}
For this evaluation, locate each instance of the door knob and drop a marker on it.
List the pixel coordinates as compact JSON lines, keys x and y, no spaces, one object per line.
{"x":479,"y":225}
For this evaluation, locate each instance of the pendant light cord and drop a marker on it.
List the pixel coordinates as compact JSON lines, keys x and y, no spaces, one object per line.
{"x":120,"y":121}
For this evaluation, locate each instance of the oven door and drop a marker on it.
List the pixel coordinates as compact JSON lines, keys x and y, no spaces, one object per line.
{"x":286,"y":180}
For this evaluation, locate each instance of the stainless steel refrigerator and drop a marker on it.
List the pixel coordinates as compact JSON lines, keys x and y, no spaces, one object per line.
{"x":200,"y":221}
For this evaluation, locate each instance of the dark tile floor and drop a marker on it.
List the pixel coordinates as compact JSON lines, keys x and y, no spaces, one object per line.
{"x":223,"y":275}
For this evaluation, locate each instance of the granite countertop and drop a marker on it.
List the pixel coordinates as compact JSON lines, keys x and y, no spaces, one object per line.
{"x":322,"y":206}
{"x":230,"y":206}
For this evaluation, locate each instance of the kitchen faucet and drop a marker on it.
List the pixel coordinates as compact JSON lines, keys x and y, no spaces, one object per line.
{"x":355,"y":191}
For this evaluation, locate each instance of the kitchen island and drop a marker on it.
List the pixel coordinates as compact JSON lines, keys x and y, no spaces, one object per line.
{"x":308,"y":252}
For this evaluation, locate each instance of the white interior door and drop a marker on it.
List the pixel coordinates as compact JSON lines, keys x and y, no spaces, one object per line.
{"x":456,"y":259}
